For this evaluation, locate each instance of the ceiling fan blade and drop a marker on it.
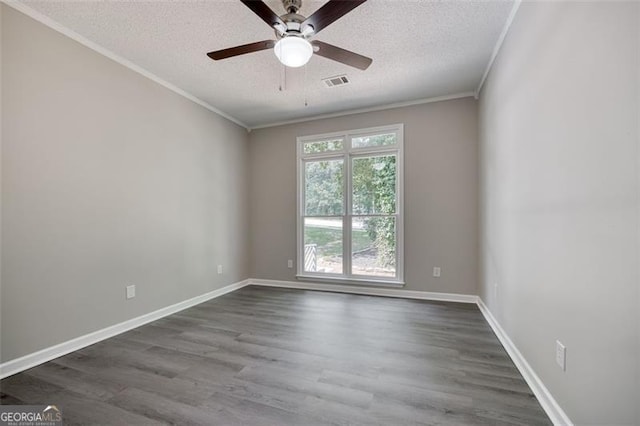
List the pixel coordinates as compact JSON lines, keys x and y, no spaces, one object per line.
{"x":264,"y":12}
{"x":241,"y":50}
{"x":339,"y":54}
{"x":331,"y":12}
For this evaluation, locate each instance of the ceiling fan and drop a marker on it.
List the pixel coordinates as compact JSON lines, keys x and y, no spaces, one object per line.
{"x":293,"y":32}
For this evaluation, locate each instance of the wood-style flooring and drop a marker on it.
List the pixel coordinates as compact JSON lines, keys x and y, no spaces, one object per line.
{"x":267,"y":356}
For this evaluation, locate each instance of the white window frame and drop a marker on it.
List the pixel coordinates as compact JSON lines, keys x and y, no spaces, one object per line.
{"x":347,"y":154}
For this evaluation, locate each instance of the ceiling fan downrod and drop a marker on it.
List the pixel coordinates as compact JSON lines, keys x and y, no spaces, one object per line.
{"x":292,"y":6}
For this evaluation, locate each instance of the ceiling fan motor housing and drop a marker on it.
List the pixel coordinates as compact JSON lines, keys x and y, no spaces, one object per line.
{"x":293,"y":27}
{"x":293,"y":21}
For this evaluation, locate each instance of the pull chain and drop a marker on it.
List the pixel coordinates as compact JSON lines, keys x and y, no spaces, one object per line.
{"x":306,"y":104}
{"x":283,"y":78}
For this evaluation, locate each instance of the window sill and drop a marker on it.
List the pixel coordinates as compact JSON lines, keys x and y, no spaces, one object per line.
{"x":351,"y":281}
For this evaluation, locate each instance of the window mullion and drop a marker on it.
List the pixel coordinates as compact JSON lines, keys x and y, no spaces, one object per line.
{"x":346,"y":223}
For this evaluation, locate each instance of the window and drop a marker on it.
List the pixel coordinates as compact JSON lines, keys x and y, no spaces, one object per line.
{"x":350,"y":210}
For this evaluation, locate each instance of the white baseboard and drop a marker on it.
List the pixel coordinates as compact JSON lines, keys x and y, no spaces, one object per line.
{"x":28,"y":361}
{"x":547,"y":401}
{"x":368,"y":291}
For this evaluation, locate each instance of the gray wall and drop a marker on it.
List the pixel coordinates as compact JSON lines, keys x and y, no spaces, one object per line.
{"x":1,"y":9}
{"x":559,"y":168}
{"x":108,"y":179}
{"x":441,"y":172}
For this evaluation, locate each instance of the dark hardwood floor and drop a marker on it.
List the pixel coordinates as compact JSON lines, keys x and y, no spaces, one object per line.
{"x":267,"y":356}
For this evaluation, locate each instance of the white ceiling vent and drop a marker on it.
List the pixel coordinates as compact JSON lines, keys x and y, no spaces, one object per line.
{"x":339,"y":80}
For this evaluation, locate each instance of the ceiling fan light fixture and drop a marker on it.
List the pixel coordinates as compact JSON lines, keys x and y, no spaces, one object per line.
{"x":293,"y":51}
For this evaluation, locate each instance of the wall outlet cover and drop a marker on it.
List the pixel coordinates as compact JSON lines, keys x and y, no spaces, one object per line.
{"x":131,"y":291}
{"x":561,"y":355}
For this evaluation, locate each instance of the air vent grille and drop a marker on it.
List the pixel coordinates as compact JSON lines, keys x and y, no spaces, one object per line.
{"x":339,"y":80}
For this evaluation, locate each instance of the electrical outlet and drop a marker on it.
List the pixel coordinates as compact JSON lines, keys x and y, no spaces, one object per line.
{"x":436,"y":271}
{"x":289,"y":263}
{"x":561,"y":355}
{"x":131,"y":291}
{"x":219,"y":269}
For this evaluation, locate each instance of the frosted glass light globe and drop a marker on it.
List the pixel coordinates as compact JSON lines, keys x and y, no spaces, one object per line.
{"x":293,"y":51}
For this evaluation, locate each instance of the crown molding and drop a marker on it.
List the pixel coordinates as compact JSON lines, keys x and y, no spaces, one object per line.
{"x":496,"y":49}
{"x":56,"y":26}
{"x":370,"y":109}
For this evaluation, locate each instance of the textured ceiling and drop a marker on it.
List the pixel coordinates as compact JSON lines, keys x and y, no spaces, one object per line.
{"x":420,"y":49}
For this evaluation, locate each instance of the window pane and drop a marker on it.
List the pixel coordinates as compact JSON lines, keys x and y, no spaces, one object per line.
{"x":323,"y":188}
{"x":374,"y":140}
{"x":374,"y":185}
{"x":323,"y":245}
{"x":373,"y":246}
{"x":322,"y":146}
